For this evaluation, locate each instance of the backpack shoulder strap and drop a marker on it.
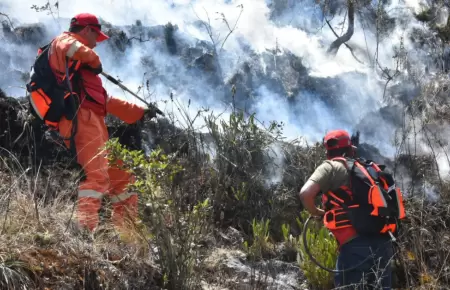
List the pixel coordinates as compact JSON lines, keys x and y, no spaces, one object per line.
{"x":367,"y":169}
{"x":44,"y":48}
{"x":348,"y":162}
{"x":342,"y":159}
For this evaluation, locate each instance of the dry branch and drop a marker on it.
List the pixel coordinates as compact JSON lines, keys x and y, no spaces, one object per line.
{"x":348,"y":46}
{"x":334,"y":47}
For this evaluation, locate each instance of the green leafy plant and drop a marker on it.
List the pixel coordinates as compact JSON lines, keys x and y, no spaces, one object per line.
{"x":242,"y":156}
{"x":176,"y":227}
{"x":240,"y":193}
{"x":261,"y":245}
{"x":290,"y":242}
{"x":323,"y":247}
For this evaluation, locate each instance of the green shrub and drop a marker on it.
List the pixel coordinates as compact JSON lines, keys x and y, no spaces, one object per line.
{"x":175,"y":226}
{"x":290,"y":243}
{"x":242,"y":166}
{"x":261,"y":246}
{"x":323,"y":248}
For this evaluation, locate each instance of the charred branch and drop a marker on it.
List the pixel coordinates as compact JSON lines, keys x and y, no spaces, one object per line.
{"x":334,"y":47}
{"x":348,"y":46}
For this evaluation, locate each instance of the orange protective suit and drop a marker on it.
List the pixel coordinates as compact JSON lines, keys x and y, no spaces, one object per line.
{"x":92,"y":134}
{"x":101,"y":179}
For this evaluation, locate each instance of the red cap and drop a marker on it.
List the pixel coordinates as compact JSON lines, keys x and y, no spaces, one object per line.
{"x":87,"y":19}
{"x":337,"y":139}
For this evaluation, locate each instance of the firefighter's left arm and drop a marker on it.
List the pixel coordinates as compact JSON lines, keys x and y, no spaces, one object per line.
{"x":126,"y":111}
{"x":308,"y":194}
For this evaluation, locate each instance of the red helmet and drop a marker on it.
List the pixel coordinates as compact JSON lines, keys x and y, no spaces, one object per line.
{"x":337,"y":139}
{"x":87,"y":19}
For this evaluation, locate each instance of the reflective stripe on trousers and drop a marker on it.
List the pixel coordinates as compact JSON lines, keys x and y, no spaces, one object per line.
{"x":89,"y":193}
{"x":122,"y":197}
{"x":89,"y":202}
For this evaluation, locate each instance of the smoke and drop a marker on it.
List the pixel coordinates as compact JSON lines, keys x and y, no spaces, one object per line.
{"x":342,"y":91}
{"x":275,"y":169}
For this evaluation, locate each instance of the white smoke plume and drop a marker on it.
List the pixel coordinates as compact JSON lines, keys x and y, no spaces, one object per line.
{"x":299,"y":30}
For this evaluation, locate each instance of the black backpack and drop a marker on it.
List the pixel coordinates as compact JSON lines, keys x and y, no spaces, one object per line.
{"x":49,"y":99}
{"x":372,"y":203}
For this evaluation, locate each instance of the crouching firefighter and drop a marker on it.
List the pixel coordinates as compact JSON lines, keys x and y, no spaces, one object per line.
{"x":361,"y":207}
{"x":66,"y":93}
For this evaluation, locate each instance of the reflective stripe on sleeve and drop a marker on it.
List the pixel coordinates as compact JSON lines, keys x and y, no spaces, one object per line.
{"x":73,"y":48}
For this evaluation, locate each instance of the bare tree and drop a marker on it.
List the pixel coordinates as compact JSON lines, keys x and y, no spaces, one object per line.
{"x":216,"y":41}
{"x":9,"y":22}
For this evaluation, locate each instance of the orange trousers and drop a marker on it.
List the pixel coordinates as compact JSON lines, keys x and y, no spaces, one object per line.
{"x":101,"y":179}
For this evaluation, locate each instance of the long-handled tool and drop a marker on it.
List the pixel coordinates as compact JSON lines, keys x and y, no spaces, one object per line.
{"x":116,"y":82}
{"x":308,"y":252}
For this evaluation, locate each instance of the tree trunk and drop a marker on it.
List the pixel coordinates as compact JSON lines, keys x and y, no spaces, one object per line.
{"x":334,"y":47}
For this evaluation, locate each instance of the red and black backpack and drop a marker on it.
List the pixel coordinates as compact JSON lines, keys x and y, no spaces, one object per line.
{"x":371,"y":202}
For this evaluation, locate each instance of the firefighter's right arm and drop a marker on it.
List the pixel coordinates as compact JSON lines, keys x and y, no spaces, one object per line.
{"x":76,"y":50}
{"x":307,"y":195}
{"x":319,"y":181}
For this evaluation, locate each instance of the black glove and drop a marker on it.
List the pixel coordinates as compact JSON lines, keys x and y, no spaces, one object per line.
{"x":149,"y":113}
{"x":97,"y":70}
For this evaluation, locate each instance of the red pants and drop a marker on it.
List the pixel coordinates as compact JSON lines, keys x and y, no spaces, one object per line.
{"x":101,"y":179}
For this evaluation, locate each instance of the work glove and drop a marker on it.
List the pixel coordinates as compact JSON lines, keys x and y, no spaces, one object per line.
{"x":95,"y":70}
{"x":98,"y":70}
{"x":149,"y":113}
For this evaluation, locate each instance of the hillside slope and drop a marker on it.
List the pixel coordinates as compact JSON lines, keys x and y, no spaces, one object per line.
{"x":231,"y":218}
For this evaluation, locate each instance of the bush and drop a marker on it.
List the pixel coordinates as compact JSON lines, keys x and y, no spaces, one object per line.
{"x":261,"y":246}
{"x":169,"y":29}
{"x":423,"y":252}
{"x":242,"y":168}
{"x":174,"y":226}
{"x":323,"y":248}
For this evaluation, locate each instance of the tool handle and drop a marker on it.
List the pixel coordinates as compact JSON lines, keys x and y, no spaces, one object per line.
{"x":116,"y":82}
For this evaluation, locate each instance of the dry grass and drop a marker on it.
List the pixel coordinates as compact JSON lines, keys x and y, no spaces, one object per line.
{"x":47,"y":252}
{"x":423,"y":151}
{"x":424,"y":245}
{"x":41,"y":249}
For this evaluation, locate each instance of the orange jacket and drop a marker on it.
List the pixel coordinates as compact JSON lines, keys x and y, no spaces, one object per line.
{"x":99,"y":101}
{"x":125,"y":111}
{"x":75,"y":48}
{"x":92,"y":93}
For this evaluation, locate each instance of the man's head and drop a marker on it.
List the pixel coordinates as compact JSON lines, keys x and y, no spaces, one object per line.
{"x":87,"y":26}
{"x":338,"y":143}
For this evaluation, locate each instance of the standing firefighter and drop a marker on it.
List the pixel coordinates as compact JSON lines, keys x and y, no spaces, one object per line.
{"x":68,"y":95}
{"x":361,"y":207}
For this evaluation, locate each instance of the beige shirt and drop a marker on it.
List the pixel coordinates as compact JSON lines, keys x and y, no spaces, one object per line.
{"x":330,"y":175}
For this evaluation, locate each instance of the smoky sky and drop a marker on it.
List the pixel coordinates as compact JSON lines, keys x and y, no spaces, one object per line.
{"x":277,"y":54}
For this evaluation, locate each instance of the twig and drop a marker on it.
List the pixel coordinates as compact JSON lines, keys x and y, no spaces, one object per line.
{"x":9,"y":19}
{"x":207,"y":27}
{"x":36,"y":209}
{"x":348,"y":46}
{"x":138,"y":38}
{"x":235,"y":24}
{"x":434,"y":154}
